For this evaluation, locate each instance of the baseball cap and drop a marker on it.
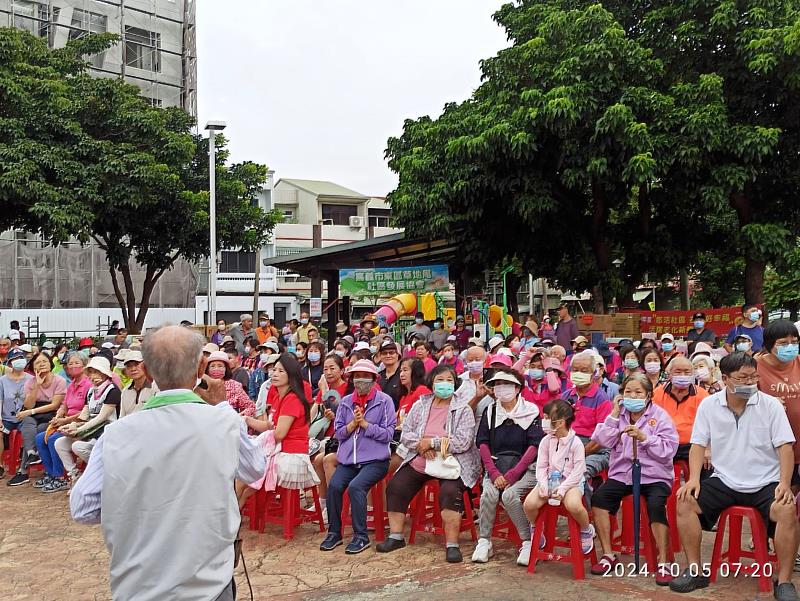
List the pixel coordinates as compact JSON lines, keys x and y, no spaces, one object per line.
{"x":361,"y":346}
{"x":210,"y":348}
{"x":667,"y":336}
{"x":26,"y":348}
{"x":475,"y":341}
{"x":14,"y":335}
{"x":494,"y":342}
{"x":699,"y":315}
{"x":603,"y":349}
{"x":388,"y":344}
{"x":49,"y":344}
{"x":580,"y":340}
{"x":502,"y":359}
{"x":134,"y":356}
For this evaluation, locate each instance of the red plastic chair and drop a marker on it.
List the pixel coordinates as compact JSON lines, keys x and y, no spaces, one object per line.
{"x":11,"y":456}
{"x":426,"y":515}
{"x":282,"y":507}
{"x":546,"y":524}
{"x":377,"y":518}
{"x":622,"y":542}
{"x":681,"y":468}
{"x":733,"y":518}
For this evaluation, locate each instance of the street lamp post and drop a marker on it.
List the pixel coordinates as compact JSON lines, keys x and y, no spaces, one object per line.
{"x":212,"y":127}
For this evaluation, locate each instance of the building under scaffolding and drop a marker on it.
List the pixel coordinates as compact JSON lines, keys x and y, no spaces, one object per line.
{"x":157,"y":49}
{"x":157,"y":53}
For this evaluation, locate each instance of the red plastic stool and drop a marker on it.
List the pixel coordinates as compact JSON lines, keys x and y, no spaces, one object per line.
{"x":376,"y":517}
{"x":427,"y":516}
{"x":282,"y":506}
{"x":546,"y":524}
{"x":623,"y":541}
{"x":12,"y":454}
{"x":504,"y":528}
{"x":681,"y":468}
{"x":249,"y":511}
{"x":734,"y":516}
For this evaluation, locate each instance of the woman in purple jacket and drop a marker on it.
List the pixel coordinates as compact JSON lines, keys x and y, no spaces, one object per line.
{"x":364,"y":426}
{"x":636,"y":417}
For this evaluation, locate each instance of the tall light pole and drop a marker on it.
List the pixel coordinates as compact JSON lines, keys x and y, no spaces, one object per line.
{"x":212,"y":127}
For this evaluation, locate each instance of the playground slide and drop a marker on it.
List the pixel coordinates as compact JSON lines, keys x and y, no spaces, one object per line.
{"x":396,"y":307}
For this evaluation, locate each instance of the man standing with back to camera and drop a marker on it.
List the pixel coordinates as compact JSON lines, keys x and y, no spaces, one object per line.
{"x":161,"y":482}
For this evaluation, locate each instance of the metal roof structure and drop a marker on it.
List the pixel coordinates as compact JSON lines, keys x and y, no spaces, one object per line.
{"x":383,"y":251}
{"x":323,"y":188}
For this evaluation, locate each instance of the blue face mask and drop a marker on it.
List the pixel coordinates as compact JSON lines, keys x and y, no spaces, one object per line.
{"x":536,"y":374}
{"x":634,"y":405}
{"x":443,"y":390}
{"x":436,"y":325}
{"x":314,"y":356}
{"x":18,"y":364}
{"x":631,"y":363}
{"x":699,"y":324}
{"x":787,"y":352}
{"x":667,"y":346}
{"x":755,"y":315}
{"x":419,"y":321}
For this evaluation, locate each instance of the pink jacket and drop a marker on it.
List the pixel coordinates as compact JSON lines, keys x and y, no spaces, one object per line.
{"x":565,"y":455}
{"x":271,"y":449}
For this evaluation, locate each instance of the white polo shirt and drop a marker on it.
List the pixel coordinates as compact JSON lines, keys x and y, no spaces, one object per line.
{"x":744,"y":451}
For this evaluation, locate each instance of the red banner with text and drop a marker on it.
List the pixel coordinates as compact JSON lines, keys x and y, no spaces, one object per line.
{"x":678,"y":323}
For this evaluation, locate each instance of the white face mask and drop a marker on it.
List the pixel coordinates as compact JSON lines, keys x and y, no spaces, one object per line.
{"x":580,"y":378}
{"x":505,"y":392}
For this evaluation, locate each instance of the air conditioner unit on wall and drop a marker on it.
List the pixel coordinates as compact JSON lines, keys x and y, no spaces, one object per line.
{"x":356,"y":221}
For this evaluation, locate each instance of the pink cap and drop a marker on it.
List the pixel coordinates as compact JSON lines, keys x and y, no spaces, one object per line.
{"x":364,"y":366}
{"x":502,"y":359}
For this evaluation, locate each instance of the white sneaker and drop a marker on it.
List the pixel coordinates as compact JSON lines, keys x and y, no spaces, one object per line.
{"x":483,"y":550}
{"x":524,"y":556}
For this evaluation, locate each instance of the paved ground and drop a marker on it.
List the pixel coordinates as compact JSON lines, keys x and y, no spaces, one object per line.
{"x":46,"y":557}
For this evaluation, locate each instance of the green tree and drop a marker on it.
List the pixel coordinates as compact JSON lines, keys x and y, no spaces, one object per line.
{"x":782,"y":284}
{"x":102,"y":164}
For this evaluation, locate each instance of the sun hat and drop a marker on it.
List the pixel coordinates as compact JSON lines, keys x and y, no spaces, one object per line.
{"x":494,"y":342}
{"x":364,"y":366}
{"x":273,"y":346}
{"x":210,"y":348}
{"x":502,"y":376}
{"x":341,"y":328}
{"x":361,"y":346}
{"x":100,"y":364}
{"x":133,"y":356}
{"x":121,"y":355}
{"x":701,"y":348}
{"x":476,"y":341}
{"x":219,"y":356}
{"x":501,"y":359}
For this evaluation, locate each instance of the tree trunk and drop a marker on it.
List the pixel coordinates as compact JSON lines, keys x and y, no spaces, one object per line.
{"x":684,"y":289}
{"x":599,"y":244}
{"x":598,"y":299}
{"x":754,"y":280}
{"x":512,"y":296}
{"x":120,"y":298}
{"x":150,"y":280}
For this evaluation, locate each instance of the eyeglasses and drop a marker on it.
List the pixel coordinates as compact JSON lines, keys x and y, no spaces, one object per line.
{"x":749,"y":380}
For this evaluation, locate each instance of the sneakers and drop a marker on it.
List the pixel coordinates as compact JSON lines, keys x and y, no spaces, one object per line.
{"x":453,"y":555}
{"x":686,"y":583}
{"x":43,"y":481}
{"x":483,"y":551}
{"x":785,"y":591}
{"x":331,"y":542}
{"x":34,"y":458}
{"x":389,"y":545}
{"x":604,"y":566}
{"x":524,"y":556}
{"x":663,"y":575}
{"x":56,"y":485}
{"x":587,"y":540}
{"x":357,"y":545}
{"x":19,"y":478}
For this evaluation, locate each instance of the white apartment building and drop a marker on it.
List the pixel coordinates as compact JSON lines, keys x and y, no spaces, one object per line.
{"x":157,"y":40}
{"x":337,"y":214}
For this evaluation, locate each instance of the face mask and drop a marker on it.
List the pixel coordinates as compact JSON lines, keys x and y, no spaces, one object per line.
{"x":667,"y":346}
{"x":652,"y":367}
{"x":633,"y":405}
{"x":84,"y":353}
{"x":546,"y":426}
{"x":300,"y":356}
{"x":339,"y":353}
{"x":263,"y":324}
{"x":742,"y":347}
{"x":419,"y":321}
{"x":745,"y":391}
{"x":755,"y":315}
{"x":702,"y":374}
{"x":217,"y":372}
{"x":314,"y":356}
{"x":505,"y":392}
{"x":515,"y":346}
{"x":536,"y":374}
{"x":18,"y":364}
{"x":221,"y":328}
{"x":443,"y":390}
{"x":304,"y":322}
{"x":631,"y":363}
{"x":264,"y":357}
{"x":436,"y":325}
{"x":581,"y":379}
{"x":75,"y":372}
{"x":247,"y":349}
{"x":682,"y":381}
{"x":475,"y":367}
{"x":699,"y":324}
{"x":448,"y":355}
{"x":373,"y":349}
{"x":787,"y":352}
{"x":291,"y":349}
{"x":362,"y":385}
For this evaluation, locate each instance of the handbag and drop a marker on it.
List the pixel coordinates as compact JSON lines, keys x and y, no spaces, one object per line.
{"x":444,"y":466}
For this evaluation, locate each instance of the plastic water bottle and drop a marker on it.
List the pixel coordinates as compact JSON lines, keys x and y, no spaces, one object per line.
{"x":553,"y":482}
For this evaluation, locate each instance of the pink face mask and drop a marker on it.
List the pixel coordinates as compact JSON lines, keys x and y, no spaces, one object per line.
{"x":75,"y":372}
{"x":216,"y":372}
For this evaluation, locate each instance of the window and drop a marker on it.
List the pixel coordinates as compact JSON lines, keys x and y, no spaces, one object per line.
{"x":285,"y":251}
{"x":339,"y":214}
{"x":154,"y":102}
{"x":143,"y":49}
{"x":380,"y":217}
{"x":31,"y":16}
{"x":85,"y":22}
{"x":288,"y":215}
{"x":238,"y":262}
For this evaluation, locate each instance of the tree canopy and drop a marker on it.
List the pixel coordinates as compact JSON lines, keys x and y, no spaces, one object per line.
{"x":648,"y":132}
{"x":89,"y":158}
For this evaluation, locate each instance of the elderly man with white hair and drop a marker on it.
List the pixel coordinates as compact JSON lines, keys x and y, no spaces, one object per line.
{"x":242,"y":331}
{"x":591,"y":406}
{"x":472,"y":390}
{"x":161,"y":481}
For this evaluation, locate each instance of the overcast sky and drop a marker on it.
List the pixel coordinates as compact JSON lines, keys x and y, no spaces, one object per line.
{"x":314,"y":88}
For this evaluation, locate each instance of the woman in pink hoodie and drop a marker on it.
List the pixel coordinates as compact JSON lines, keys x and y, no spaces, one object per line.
{"x":561,"y":451}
